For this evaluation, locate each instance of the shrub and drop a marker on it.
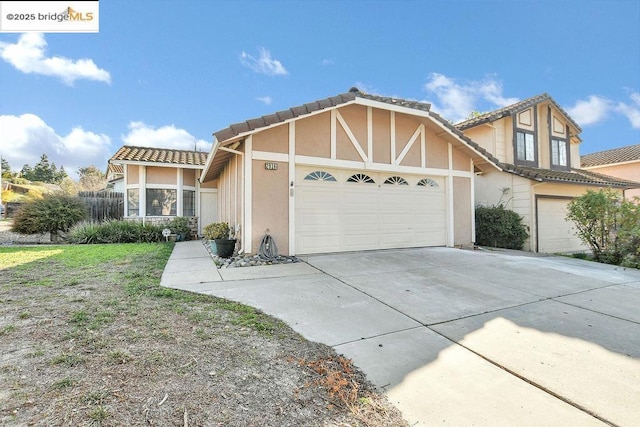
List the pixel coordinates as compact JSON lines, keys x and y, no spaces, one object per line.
{"x":216,"y":230}
{"x":179,"y":224}
{"x":116,"y":232}
{"x":609,"y":225}
{"x":52,"y":213}
{"x":499,"y":227}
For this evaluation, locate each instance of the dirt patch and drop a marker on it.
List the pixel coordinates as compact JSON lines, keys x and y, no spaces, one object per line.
{"x":7,"y":237}
{"x":87,"y":342}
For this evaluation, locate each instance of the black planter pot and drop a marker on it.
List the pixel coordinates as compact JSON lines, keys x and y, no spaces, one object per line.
{"x":225,"y":247}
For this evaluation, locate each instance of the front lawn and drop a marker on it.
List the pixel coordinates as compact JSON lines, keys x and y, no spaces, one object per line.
{"x":88,"y":337}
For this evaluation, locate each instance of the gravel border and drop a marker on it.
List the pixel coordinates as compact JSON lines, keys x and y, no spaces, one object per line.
{"x":246,"y":260}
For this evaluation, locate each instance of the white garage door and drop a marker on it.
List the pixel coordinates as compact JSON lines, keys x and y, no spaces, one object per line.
{"x":555,"y":233}
{"x":350,"y":210}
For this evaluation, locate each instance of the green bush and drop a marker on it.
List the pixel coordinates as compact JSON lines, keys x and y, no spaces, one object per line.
{"x":609,"y":225}
{"x":499,"y":227}
{"x":179,"y":224}
{"x":52,"y":213}
{"x":116,"y":232}
{"x":216,"y":230}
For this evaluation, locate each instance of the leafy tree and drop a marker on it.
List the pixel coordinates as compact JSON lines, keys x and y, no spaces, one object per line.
{"x":52,"y":213}
{"x":92,"y":178}
{"x":499,"y":227}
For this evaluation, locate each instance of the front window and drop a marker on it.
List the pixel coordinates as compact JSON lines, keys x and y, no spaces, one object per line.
{"x":161,"y":202}
{"x":525,"y":147}
{"x":558,"y":152}
{"x":189,"y":203}
{"x":133,"y":201}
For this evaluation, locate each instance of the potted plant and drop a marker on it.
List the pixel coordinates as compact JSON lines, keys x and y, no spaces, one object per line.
{"x":219,"y":232}
{"x":180,"y":226}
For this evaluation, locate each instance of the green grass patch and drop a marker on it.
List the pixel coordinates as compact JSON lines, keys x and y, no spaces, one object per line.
{"x":62,"y":384}
{"x":68,"y":359}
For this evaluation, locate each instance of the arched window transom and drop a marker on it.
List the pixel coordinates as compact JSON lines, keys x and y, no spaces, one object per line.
{"x":320,"y":176}
{"x":361,"y":178}
{"x":427,"y":182}
{"x":396,"y":180}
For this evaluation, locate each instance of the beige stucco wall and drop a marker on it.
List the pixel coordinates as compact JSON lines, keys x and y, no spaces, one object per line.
{"x":437,"y":151}
{"x":313,"y":136}
{"x":517,"y":195}
{"x":630,"y":171}
{"x":161,"y":175}
{"x":344,"y":148}
{"x":133,"y":174}
{"x":230,"y":192}
{"x":460,"y":160}
{"x":356,"y":118}
{"x":270,"y":205}
{"x":484,"y":136}
{"x":189,"y":177}
{"x":275,"y":140}
{"x":381,"y":136}
{"x":462,"y":211}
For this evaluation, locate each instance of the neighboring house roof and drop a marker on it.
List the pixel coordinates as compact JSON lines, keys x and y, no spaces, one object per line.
{"x":492,"y":116}
{"x":616,"y":155}
{"x":301,"y":110}
{"x":131,"y":154}
{"x":575,"y":176}
{"x":115,"y":169}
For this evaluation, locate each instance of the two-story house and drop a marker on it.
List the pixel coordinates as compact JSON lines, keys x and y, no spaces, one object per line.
{"x":537,"y":145}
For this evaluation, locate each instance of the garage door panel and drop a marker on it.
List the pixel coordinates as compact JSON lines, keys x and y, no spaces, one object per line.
{"x":344,"y":216}
{"x":555,"y":233}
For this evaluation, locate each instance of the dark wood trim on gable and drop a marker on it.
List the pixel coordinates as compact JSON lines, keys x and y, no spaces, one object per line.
{"x":567,"y":143}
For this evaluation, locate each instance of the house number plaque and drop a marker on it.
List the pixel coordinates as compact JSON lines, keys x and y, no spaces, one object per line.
{"x":271,"y":166}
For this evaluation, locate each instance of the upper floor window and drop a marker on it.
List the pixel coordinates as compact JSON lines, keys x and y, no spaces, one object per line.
{"x":559,"y":153}
{"x":525,"y":147}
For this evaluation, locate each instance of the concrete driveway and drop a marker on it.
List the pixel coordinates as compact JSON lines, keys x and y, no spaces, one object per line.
{"x":460,"y":337}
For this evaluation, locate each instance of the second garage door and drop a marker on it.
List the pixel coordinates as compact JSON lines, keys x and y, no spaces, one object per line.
{"x":555,"y":233}
{"x":340,"y":210}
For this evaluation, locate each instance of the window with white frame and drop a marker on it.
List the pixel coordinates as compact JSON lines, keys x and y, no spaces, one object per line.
{"x":188,"y":203}
{"x":161,"y":202}
{"x":133,"y":202}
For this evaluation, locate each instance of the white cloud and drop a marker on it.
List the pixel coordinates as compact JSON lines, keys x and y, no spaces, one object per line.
{"x":263,"y":64}
{"x":25,"y":138}
{"x":267,"y":100}
{"x":456,"y":99}
{"x":143,"y":135}
{"x":632,"y":110}
{"x":326,"y":62}
{"x":28,"y":56}
{"x":594,"y":110}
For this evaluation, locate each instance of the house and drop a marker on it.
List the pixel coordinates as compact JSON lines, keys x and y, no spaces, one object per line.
{"x":537,"y":145}
{"x":621,"y":162}
{"x":162,"y":183}
{"x":350,"y":172}
{"x":115,"y":178}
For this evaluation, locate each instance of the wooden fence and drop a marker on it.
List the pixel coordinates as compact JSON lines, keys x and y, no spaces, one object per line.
{"x":103,"y":205}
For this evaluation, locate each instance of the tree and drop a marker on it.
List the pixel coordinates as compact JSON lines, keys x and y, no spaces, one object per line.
{"x":52,"y":213}
{"x":43,"y":171}
{"x":92,"y":178}
{"x":6,"y":169}
{"x":608,"y":223}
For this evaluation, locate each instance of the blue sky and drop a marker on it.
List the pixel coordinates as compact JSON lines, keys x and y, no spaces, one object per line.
{"x":170,"y":73}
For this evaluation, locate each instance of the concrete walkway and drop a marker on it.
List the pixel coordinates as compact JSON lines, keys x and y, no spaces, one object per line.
{"x":458,"y":337}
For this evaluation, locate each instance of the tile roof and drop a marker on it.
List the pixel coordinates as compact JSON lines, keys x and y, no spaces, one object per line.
{"x":492,"y":116}
{"x":159,"y":155}
{"x":301,"y":110}
{"x":575,"y":176}
{"x":116,"y":169}
{"x":616,"y":155}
